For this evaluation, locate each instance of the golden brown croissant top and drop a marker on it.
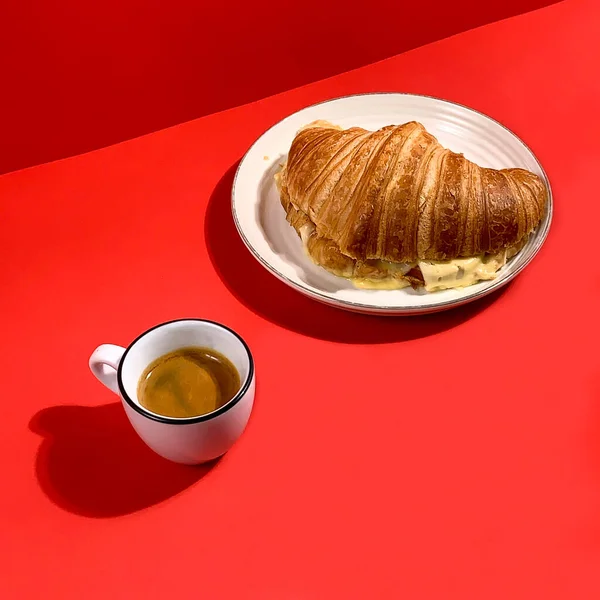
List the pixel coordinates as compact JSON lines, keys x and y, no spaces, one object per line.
{"x":397,"y":195}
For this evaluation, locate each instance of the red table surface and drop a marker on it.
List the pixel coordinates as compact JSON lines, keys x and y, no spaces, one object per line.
{"x":449,"y":456}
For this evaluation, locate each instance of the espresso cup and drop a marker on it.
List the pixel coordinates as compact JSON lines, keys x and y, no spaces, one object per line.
{"x":191,"y":440}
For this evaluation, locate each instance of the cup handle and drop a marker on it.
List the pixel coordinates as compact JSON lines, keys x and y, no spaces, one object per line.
{"x":104,"y":363}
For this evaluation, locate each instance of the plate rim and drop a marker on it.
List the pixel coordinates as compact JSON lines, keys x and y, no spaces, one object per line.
{"x":395,"y":310}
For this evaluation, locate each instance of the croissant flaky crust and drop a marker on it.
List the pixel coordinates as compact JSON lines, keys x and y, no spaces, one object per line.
{"x":397,"y":195}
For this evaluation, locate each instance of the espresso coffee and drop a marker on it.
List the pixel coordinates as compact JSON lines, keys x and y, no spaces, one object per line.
{"x":188,"y":382}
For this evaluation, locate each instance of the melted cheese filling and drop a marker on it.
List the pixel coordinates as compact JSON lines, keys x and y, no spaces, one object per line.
{"x":305,"y":233}
{"x":460,"y":272}
{"x":388,"y":283}
{"x":457,"y":273}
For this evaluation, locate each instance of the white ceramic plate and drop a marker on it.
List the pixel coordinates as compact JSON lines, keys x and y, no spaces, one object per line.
{"x":260,"y":218}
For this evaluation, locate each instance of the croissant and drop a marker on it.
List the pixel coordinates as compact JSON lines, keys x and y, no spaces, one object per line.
{"x":393,"y":207}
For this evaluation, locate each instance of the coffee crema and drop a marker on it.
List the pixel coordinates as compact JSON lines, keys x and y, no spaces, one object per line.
{"x":188,"y":382}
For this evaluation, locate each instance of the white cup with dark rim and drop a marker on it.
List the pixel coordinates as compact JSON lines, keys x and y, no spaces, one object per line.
{"x":191,"y":440}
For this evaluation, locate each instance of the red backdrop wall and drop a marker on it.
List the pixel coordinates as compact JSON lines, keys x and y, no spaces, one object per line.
{"x":81,"y":75}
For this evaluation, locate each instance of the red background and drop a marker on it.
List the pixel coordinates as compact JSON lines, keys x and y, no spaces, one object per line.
{"x":81,"y":75}
{"x":448,"y":457}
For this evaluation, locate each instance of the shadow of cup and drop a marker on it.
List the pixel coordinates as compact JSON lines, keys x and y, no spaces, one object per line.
{"x":92,"y":463}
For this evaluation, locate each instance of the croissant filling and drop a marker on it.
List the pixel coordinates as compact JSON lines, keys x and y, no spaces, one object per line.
{"x":431,"y":275}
